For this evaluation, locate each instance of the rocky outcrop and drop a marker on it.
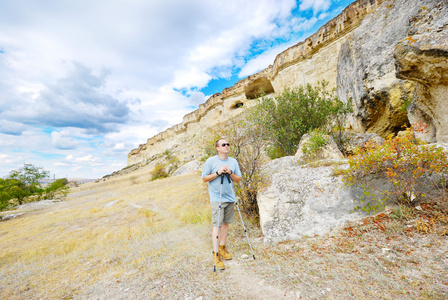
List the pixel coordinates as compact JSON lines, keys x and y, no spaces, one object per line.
{"x":302,"y":201}
{"x":366,"y":69}
{"x":423,"y":58}
{"x":192,"y":166}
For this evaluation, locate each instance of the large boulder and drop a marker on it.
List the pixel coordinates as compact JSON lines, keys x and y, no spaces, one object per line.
{"x":366,"y":69}
{"x":189,"y":167}
{"x":303,"y":201}
{"x":423,"y":58}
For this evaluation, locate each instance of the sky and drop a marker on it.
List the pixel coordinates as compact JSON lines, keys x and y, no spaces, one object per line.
{"x":82,"y":83}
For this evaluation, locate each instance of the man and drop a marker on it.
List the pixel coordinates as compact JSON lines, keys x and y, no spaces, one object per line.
{"x":214,"y":167}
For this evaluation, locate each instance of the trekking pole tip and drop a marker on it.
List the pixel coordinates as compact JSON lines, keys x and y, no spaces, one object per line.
{"x":253,"y":256}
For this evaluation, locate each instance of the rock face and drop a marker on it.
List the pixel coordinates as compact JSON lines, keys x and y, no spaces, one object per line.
{"x":366,"y":69}
{"x":304,"y":201}
{"x":423,"y":58}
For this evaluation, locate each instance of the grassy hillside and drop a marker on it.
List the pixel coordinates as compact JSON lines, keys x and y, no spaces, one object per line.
{"x":132,"y":238}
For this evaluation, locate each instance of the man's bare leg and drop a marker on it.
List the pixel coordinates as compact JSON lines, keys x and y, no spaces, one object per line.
{"x":223,"y":232}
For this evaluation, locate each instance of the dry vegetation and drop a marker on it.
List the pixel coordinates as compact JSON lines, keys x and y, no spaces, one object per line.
{"x":132,"y":238}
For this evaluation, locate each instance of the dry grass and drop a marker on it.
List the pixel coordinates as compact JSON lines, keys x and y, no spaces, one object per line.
{"x":105,"y":229}
{"x":130,"y":238}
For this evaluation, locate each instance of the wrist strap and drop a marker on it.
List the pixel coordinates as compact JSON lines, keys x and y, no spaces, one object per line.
{"x":217,"y":173}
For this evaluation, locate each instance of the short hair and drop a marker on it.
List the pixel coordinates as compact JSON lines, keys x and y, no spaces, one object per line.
{"x":217,"y":142}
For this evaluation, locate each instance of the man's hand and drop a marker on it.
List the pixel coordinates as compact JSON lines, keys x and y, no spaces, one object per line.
{"x":224,"y":169}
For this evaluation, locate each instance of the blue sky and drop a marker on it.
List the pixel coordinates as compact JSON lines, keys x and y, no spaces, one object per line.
{"x":84,"y":82}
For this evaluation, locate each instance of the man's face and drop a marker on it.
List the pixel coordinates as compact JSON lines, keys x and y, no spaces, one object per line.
{"x":223,"y":147}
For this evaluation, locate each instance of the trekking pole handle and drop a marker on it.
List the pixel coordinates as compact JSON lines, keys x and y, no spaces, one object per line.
{"x":222,"y":178}
{"x":228,"y":177}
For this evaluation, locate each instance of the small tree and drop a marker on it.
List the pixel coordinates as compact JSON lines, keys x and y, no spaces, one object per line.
{"x":4,"y":193}
{"x":24,"y":182}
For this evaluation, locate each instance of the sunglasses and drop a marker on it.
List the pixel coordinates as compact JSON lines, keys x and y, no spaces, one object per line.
{"x":225,"y":144}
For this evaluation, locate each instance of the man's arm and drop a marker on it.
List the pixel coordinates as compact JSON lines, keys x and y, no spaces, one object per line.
{"x":213,"y":176}
{"x":210,"y":177}
{"x":235,"y":177}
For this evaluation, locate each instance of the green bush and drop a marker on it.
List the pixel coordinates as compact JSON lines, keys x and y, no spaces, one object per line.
{"x":4,"y":193}
{"x":295,"y":112}
{"x":159,"y":172}
{"x":405,"y":162}
{"x":315,"y":143}
{"x":58,"y":187}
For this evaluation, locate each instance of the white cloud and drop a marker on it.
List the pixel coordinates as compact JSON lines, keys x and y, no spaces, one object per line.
{"x":88,"y":159}
{"x":315,"y":5}
{"x":11,"y":127}
{"x":63,"y":140}
{"x":193,"y":77}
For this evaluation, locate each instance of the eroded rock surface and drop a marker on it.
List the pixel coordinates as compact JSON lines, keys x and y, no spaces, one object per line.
{"x":303,"y":201}
{"x":366,"y":69}
{"x":423,"y":58}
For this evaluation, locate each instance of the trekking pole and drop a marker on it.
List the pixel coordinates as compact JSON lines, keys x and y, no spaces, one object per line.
{"x":242,"y":222}
{"x":217,"y":227}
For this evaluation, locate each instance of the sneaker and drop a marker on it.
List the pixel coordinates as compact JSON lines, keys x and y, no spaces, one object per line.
{"x":219,"y":263}
{"x":223,"y":252}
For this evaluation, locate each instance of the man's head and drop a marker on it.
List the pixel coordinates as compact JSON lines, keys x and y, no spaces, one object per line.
{"x":222,"y":146}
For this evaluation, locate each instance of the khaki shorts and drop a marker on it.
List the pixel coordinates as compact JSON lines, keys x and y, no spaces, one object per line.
{"x":227,"y":213}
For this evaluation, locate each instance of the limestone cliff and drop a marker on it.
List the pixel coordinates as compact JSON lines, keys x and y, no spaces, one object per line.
{"x":353,"y":52}
{"x":423,"y":58}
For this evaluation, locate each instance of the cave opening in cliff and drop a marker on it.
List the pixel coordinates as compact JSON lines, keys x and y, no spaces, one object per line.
{"x":237,"y":105}
{"x":258,"y":87}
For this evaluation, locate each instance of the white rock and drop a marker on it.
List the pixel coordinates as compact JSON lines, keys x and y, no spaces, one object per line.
{"x":189,"y":167}
{"x":304,"y":201}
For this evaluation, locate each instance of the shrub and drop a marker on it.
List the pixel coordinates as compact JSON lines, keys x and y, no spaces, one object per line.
{"x":295,"y":112}
{"x":315,"y":143}
{"x":58,"y":187}
{"x":340,"y":112}
{"x":159,"y":172}
{"x":408,"y":165}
